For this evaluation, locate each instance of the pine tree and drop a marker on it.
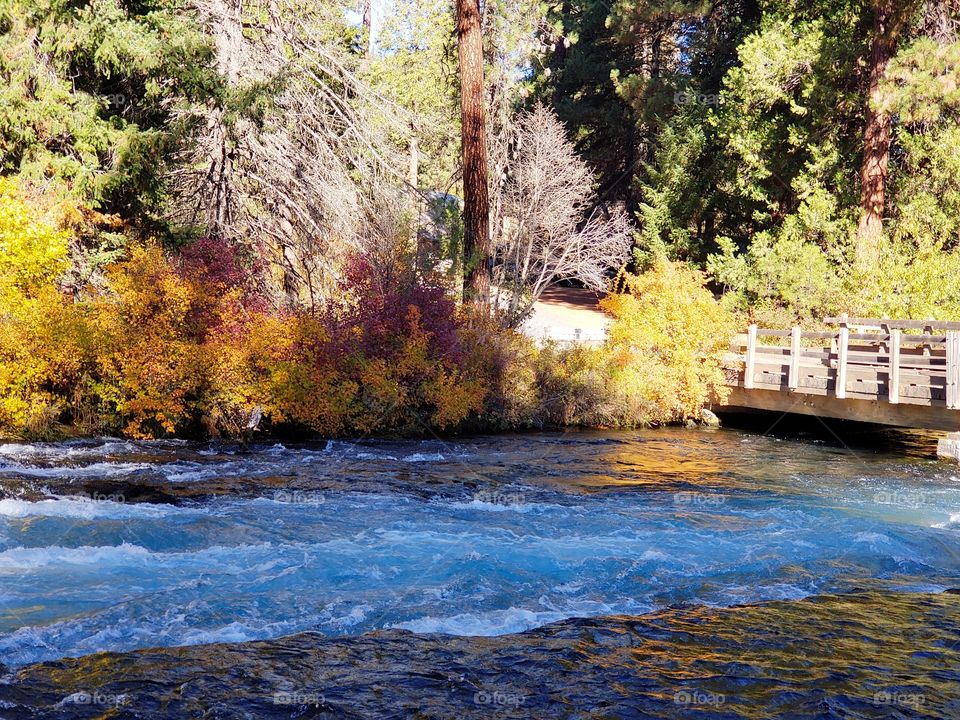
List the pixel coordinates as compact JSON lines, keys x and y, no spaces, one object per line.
{"x":477,"y":251}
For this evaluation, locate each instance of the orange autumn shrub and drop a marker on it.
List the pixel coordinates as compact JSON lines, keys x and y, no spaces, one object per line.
{"x":275,"y":363}
{"x":150,"y":355}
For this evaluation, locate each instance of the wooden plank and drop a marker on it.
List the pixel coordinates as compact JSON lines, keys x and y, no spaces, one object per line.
{"x":917,"y":352}
{"x":794,"y":381}
{"x":805,"y":334}
{"x":880,"y":339}
{"x":842,"y":352}
{"x":893,"y":384}
{"x":814,"y":382}
{"x":751,"y":357}
{"x":925,"y":395}
{"x":773,"y":351}
{"x":929,"y":340}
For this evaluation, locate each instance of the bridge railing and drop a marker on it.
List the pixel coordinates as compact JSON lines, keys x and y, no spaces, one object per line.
{"x":865,"y":358}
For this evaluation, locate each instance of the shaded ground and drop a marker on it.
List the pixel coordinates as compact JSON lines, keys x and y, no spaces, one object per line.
{"x":863,"y":655}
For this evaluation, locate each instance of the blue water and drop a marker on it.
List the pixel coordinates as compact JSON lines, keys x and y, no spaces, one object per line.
{"x":479,"y":537}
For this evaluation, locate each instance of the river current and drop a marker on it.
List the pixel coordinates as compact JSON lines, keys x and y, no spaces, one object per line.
{"x":111,"y":545}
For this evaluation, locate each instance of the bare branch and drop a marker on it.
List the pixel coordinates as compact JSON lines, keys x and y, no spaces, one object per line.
{"x":544,"y":234}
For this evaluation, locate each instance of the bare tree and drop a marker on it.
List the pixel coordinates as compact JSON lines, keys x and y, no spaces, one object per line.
{"x":941,"y":20}
{"x":296,"y":157}
{"x":474,"y":147}
{"x":544,"y":232}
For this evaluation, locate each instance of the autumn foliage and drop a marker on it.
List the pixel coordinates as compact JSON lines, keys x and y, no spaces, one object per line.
{"x":183,"y":345}
{"x":668,"y":340}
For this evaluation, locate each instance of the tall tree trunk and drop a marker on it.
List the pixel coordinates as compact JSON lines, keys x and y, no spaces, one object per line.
{"x":367,"y":27}
{"x":476,"y":214}
{"x":888,"y":25}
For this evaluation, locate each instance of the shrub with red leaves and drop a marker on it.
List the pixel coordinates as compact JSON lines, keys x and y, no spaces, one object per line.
{"x":372,"y":314}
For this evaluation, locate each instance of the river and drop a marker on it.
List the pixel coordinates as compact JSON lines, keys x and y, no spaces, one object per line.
{"x":663,"y":573}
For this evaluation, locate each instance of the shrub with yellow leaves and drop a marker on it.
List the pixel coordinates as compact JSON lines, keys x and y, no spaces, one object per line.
{"x":33,"y":246}
{"x":40,"y":357}
{"x":668,"y":340}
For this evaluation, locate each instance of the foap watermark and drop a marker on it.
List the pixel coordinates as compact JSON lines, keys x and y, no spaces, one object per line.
{"x":102,"y":497}
{"x":911,"y":700}
{"x":699,"y":498}
{"x":902,"y":499}
{"x":298,"y":697}
{"x":499,"y":698}
{"x":95,"y":697}
{"x":698,"y":697}
{"x":114,"y":101}
{"x":499,"y":498}
{"x":690,"y":98}
{"x":298,"y":497}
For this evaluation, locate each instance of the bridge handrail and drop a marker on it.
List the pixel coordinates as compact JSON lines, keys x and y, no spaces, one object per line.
{"x":893,"y":323}
{"x":880,"y":337}
{"x":888,"y":361}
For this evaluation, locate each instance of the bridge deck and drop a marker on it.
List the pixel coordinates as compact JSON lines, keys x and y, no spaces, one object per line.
{"x":880,"y":371}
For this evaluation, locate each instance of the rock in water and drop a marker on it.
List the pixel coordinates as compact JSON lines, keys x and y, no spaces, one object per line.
{"x":948,"y":448}
{"x":709,"y":418}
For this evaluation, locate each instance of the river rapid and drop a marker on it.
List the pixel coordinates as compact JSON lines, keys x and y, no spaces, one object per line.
{"x":664,"y":573}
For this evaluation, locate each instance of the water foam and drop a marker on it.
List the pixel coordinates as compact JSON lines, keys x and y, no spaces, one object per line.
{"x":494,"y":622}
{"x":82,"y":509}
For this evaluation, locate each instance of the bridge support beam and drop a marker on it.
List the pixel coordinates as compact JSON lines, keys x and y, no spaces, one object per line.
{"x":948,"y":447}
{"x":878,"y":412}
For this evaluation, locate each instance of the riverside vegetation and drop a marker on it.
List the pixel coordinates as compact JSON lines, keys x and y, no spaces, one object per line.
{"x":211,"y":211}
{"x":182,"y":344}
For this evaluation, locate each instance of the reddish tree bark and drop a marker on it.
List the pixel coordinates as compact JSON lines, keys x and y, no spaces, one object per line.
{"x":476,"y":213}
{"x":890,"y":19}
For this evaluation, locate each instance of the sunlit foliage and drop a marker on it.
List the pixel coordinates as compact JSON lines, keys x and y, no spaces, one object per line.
{"x":33,"y":246}
{"x":668,"y":339}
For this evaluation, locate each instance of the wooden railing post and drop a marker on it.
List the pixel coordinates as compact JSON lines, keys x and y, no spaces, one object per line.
{"x":844,"y":350}
{"x":793,"y":381}
{"x":893,"y":378}
{"x":953,"y":370}
{"x":751,"y":363}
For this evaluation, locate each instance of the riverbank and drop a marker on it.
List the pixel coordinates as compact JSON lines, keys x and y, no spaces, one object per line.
{"x":865,"y":654}
{"x":188,"y":355}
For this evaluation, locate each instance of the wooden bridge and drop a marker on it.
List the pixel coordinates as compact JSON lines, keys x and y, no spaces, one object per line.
{"x":904,"y":373}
